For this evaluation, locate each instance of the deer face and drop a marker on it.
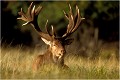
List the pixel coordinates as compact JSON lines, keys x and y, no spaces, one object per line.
{"x":57,"y":47}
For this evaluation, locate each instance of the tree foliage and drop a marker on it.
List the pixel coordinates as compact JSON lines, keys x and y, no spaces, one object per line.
{"x":101,"y":14}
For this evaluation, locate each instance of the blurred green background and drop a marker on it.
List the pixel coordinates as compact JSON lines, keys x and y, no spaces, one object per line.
{"x":100,"y":27}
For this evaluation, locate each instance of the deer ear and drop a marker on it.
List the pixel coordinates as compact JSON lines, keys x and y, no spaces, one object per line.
{"x":68,"y":41}
{"x":46,"y":41}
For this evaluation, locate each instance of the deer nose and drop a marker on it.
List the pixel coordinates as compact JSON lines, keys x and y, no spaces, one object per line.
{"x":60,"y":54}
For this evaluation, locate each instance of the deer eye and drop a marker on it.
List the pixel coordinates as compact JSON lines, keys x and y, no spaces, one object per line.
{"x":54,"y":44}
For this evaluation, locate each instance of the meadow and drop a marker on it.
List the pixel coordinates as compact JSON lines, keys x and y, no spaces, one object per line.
{"x":16,"y":63}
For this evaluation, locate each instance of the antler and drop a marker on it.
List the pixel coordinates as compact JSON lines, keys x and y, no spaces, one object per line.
{"x":31,"y":18}
{"x":74,"y":21}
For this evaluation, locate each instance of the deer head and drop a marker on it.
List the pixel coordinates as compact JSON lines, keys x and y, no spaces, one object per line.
{"x":56,"y":45}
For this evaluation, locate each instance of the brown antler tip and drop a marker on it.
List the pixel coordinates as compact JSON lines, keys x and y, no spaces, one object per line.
{"x":31,"y":3}
{"x":19,"y":13}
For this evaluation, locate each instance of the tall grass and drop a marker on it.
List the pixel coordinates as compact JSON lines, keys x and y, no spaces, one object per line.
{"x":16,"y":63}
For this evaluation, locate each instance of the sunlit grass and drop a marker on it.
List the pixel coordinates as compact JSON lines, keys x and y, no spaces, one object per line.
{"x":16,"y":63}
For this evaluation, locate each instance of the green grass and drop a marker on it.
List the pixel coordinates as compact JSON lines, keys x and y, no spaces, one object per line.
{"x":16,"y":63}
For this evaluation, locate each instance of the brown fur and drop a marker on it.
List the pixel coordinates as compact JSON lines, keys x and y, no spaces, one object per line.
{"x":47,"y":58}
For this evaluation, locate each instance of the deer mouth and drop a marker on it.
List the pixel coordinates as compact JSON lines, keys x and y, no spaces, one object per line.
{"x":59,"y":56}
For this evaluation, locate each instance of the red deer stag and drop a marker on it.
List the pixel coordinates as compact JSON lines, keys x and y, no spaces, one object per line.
{"x":56,"y":50}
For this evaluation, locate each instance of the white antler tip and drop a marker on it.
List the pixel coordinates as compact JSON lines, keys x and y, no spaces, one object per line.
{"x":21,"y":9}
{"x":78,"y":11}
{"x":47,"y":20}
{"x":82,"y":18}
{"x":76,"y":7}
{"x":52,"y":27}
{"x":25,"y":23}
{"x":33,"y":8}
{"x":18,"y":18}
{"x":70,"y":6}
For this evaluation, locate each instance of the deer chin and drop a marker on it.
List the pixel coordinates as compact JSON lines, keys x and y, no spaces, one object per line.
{"x":56,"y":59}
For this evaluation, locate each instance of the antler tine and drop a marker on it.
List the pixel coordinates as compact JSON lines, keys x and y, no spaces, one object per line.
{"x":79,"y":19}
{"x":71,"y":20}
{"x":23,"y":16}
{"x":66,"y":15}
{"x":70,"y":13}
{"x":47,"y":28}
{"x":33,"y":12}
{"x":29,"y":9}
{"x":76,"y":13}
{"x":74,"y":21}
{"x":21,"y":12}
{"x":31,"y":18}
{"x":53,"y":31}
{"x":37,"y":11}
{"x":71,"y":24}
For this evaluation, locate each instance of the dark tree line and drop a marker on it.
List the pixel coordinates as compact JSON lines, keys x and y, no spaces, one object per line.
{"x":103,"y":15}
